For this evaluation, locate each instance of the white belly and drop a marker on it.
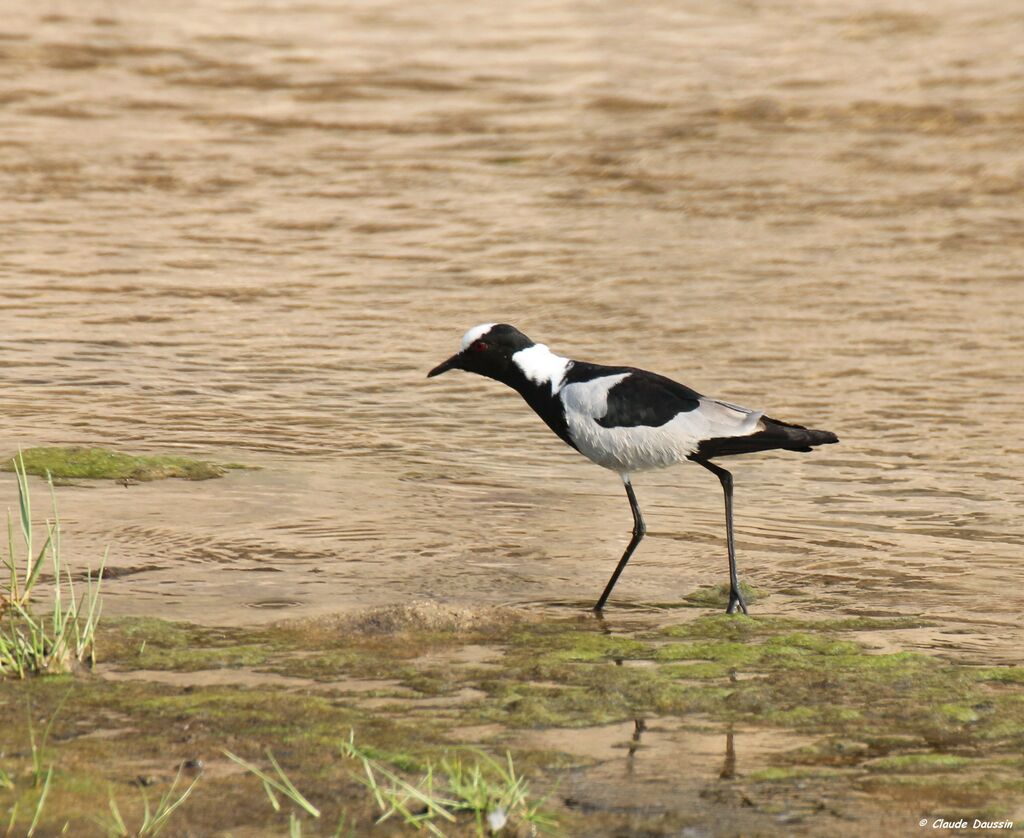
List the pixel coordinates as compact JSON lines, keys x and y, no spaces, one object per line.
{"x":627,"y":450}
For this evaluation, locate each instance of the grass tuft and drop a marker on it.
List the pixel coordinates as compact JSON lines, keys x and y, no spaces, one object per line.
{"x":488,"y":791}
{"x":153,"y":819}
{"x":281,"y":784}
{"x":31,"y":644}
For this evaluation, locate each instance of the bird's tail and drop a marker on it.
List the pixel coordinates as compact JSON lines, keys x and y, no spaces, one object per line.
{"x":796,"y":437}
{"x":775,"y":434}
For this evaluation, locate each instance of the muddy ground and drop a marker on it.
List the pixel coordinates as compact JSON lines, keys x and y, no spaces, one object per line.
{"x":655,"y":722}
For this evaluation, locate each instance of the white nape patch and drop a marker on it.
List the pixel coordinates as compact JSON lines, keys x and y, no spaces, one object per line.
{"x":542,"y":366}
{"x":476,"y":333}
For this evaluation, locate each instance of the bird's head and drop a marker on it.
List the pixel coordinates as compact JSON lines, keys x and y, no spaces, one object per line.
{"x":487,"y":350}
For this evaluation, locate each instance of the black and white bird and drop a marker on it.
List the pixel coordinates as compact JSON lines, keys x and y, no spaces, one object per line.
{"x":628,"y":420}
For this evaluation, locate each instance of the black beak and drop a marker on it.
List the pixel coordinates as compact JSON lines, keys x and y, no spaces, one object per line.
{"x":452,"y":363}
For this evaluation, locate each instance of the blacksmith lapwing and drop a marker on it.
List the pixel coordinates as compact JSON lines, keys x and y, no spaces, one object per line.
{"x":628,"y":420}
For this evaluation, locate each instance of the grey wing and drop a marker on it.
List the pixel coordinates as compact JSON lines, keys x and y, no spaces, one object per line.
{"x":721,"y":419}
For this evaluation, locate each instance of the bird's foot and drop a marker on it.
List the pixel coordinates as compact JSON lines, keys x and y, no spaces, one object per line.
{"x":736,"y":601}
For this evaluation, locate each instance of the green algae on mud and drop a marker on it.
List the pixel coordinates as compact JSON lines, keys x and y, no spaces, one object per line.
{"x":80,"y":463}
{"x":892,"y":724}
{"x":717,"y":596}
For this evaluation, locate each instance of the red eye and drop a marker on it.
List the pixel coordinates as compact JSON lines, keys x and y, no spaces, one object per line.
{"x":478,"y":346}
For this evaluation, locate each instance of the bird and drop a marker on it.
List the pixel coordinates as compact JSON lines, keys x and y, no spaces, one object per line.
{"x":629,"y":420}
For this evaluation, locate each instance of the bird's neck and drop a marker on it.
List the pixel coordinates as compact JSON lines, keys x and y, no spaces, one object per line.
{"x":537,"y":374}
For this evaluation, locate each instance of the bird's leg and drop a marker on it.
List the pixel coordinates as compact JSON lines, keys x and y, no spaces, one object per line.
{"x":735,"y":597}
{"x":638,"y":532}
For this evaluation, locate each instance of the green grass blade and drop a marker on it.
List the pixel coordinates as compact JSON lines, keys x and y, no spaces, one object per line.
{"x":36,"y":567}
{"x":40,"y":803}
{"x":292,"y":792}
{"x":115,"y":812}
{"x":12,"y":819}
{"x":12,"y":565}
{"x":166,"y":808}
{"x":284,"y":785}
{"x":24,"y":503}
{"x":147,"y":817}
{"x":271,"y":796}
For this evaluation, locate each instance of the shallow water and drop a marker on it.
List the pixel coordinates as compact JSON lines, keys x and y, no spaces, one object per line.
{"x":246,"y":231}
